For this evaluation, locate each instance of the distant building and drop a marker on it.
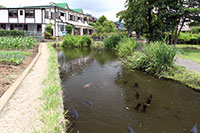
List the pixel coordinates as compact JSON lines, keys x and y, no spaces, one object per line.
{"x":119,"y":26}
{"x":35,"y":19}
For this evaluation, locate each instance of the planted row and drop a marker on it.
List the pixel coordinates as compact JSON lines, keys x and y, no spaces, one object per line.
{"x":17,"y":43}
{"x":76,"y":41}
{"x":13,"y":56}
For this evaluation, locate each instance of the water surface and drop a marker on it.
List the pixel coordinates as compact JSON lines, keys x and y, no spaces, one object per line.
{"x":174,"y":107}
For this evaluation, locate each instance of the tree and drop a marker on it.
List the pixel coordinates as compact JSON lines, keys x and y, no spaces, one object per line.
{"x":156,"y":17}
{"x":103,"y":25}
{"x":69,"y":29}
{"x":48,"y":31}
{"x":2,"y":6}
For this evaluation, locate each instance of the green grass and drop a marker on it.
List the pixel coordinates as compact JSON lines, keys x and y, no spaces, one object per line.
{"x":185,"y":76}
{"x":187,"y":45}
{"x":16,"y":57}
{"x":191,"y":54}
{"x":52,"y":115}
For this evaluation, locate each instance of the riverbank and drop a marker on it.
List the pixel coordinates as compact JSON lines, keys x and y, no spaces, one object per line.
{"x":52,"y":110}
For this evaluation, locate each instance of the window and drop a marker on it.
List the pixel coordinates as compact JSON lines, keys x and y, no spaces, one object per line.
{"x":3,"y":26}
{"x":39,"y":27}
{"x":21,"y":12}
{"x":61,"y":27}
{"x":29,"y":14}
{"x":13,"y":14}
{"x":71,"y":17}
{"x":46,"y":14}
{"x":62,"y":14}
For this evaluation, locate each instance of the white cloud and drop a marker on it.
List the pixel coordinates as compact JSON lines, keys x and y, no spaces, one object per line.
{"x":97,"y":8}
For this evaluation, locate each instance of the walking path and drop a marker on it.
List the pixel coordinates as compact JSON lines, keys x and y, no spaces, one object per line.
{"x":188,"y":64}
{"x":22,"y":113}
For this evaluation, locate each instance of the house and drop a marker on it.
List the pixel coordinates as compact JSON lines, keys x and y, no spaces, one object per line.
{"x":119,"y":26}
{"x":35,"y":18}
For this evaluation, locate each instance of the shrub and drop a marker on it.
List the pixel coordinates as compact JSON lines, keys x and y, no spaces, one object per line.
{"x":195,"y":30}
{"x":48,"y":31}
{"x":69,"y":29}
{"x":86,"y":41}
{"x":154,"y":58}
{"x":189,"y":38}
{"x":17,"y":43}
{"x":4,"y":33}
{"x":112,"y":40}
{"x":126,"y":46}
{"x":76,"y":41}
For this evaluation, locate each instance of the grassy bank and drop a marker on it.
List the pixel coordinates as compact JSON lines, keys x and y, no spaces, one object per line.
{"x":158,"y":59}
{"x":184,"y":76}
{"x":52,"y":112}
{"x":191,"y":52}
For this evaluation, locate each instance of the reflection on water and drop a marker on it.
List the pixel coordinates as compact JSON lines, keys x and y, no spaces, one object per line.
{"x":108,"y":104}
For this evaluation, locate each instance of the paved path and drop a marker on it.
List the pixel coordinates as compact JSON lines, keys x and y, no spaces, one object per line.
{"x":22,"y":113}
{"x":188,"y":64}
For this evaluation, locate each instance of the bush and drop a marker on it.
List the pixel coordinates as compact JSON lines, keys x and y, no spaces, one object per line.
{"x":112,"y":40}
{"x":17,"y":43}
{"x":126,"y":46}
{"x":154,"y":58}
{"x":48,"y":31}
{"x":189,"y":38}
{"x":86,"y":41}
{"x":76,"y":41}
{"x":4,"y":33}
{"x":195,"y":30}
{"x":69,"y":29}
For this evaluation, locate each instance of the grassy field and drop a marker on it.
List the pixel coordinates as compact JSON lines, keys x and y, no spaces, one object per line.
{"x":191,"y":54}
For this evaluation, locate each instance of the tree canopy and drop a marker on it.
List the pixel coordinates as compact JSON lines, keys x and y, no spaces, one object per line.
{"x":103,"y":25}
{"x":2,"y":6}
{"x":154,"y":18}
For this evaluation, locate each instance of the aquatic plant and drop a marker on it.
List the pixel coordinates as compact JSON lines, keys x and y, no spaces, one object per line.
{"x":76,"y":41}
{"x":112,"y":40}
{"x":154,"y":58}
{"x":17,"y":43}
{"x":126,"y":46}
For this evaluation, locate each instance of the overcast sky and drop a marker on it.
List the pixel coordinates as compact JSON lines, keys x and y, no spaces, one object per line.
{"x":97,"y":8}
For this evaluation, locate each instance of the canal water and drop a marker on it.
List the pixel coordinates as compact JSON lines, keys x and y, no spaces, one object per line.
{"x":103,"y":93}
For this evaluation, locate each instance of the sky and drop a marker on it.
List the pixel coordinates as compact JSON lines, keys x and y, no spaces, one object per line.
{"x":97,"y":8}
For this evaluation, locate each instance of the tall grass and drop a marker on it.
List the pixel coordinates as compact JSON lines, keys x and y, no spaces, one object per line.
{"x":126,"y":46}
{"x":13,"y":56}
{"x":76,"y":41}
{"x":17,"y":43}
{"x":52,"y":110}
{"x":112,"y":40}
{"x":154,"y":58}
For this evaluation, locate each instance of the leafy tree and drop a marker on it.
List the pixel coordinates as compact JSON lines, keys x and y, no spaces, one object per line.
{"x":103,"y":25}
{"x":48,"y":31}
{"x":91,"y":23}
{"x":2,"y":6}
{"x":69,"y":29}
{"x":156,"y":17}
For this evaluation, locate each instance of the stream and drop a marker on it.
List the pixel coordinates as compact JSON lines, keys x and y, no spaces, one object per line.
{"x":105,"y":95}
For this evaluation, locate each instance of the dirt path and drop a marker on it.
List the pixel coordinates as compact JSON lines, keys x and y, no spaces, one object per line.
{"x":188,"y":64}
{"x":22,"y":113}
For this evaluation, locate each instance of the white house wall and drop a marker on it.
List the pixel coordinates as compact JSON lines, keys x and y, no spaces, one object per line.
{"x":21,"y":18}
{"x":38,"y":16}
{"x":3,"y":16}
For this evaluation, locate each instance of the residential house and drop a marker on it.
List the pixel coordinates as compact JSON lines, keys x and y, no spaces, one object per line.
{"x":35,"y":19}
